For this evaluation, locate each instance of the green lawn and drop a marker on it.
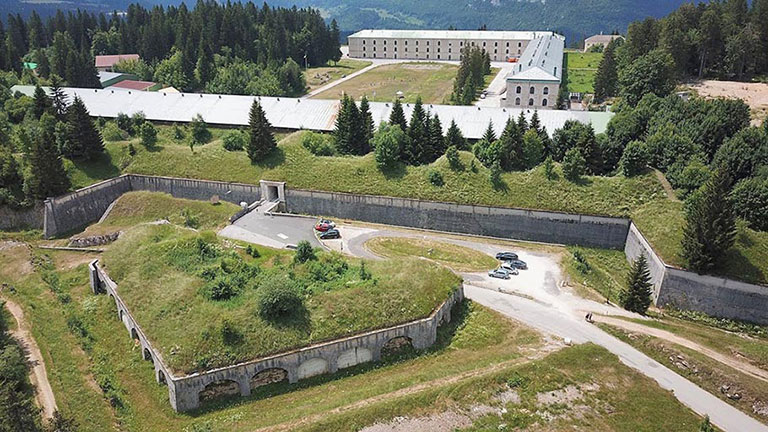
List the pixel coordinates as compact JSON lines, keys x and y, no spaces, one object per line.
{"x":459,"y":258}
{"x":642,"y":198}
{"x":605,"y":272}
{"x":328,"y":73}
{"x":163,"y":274}
{"x":432,"y":81}
{"x":581,"y":69}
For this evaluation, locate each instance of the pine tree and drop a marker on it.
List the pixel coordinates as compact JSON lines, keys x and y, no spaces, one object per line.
{"x":436,"y":138}
{"x":636,"y":295}
{"x":43,"y":67}
{"x":489,"y":136}
{"x":367,"y":125}
{"x":343,"y":131}
{"x":46,"y":176}
{"x":417,"y":134}
{"x":204,"y":70}
{"x":261,"y":142}
{"x":397,"y":117}
{"x":42,"y":102}
{"x":607,"y":75}
{"x":511,"y":147}
{"x":710,"y":227}
{"x":522,"y":124}
{"x":453,"y":137}
{"x":533,"y":149}
{"x":83,"y":139}
{"x":58,"y":98}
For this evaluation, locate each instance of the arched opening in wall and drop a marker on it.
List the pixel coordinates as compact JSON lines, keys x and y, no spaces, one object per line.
{"x":219,"y":390}
{"x":518,"y":90}
{"x":532,"y":90}
{"x":312,"y":367}
{"x":134,"y":334}
{"x":353,"y":357}
{"x":546,"y":90}
{"x":120,"y":315}
{"x":517,"y":101}
{"x":530,"y":101}
{"x":269,"y":376}
{"x":148,"y":355}
{"x":544,"y":102}
{"x":397,"y":346}
{"x":161,"y":377}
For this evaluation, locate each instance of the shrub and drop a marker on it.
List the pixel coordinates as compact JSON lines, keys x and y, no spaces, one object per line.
{"x":230,"y":333}
{"x":138,"y":120}
{"x":304,"y":252}
{"x":233,"y":140}
{"x":252,"y":251}
{"x":452,"y":154}
{"x":124,"y":122}
{"x":689,"y":176}
{"x":435,"y":178}
{"x":549,"y":168}
{"x":750,"y":202}
{"x":581,"y":262}
{"x":318,"y":144}
{"x":279,"y":298}
{"x":388,"y":142}
{"x":199,"y":130}
{"x":224,"y":287}
{"x":495,"y":175}
{"x":148,"y":134}
{"x":574,"y":164}
{"x":111,"y":132}
{"x":634,"y":160}
{"x":178,"y":133}
{"x":190,"y":219}
{"x":131,"y":149}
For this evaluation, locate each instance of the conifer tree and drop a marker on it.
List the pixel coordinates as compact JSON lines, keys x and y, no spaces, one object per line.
{"x":522,"y":124}
{"x":43,"y":66}
{"x":710,"y":227}
{"x":417,"y":134}
{"x":636,"y":295}
{"x":58,"y":98}
{"x":42,"y":102}
{"x":45,"y":176}
{"x":436,"y":138}
{"x":489,"y":135}
{"x":706,"y":425}
{"x":454,"y":137}
{"x":511,"y":141}
{"x":607,"y":76}
{"x":533,"y":149}
{"x":204,"y":69}
{"x":261,"y":141}
{"x":342,"y":129}
{"x":397,"y":117}
{"x":367,"y":125}
{"x":83,"y":139}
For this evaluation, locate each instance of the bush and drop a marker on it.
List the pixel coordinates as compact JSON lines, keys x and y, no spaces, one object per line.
{"x":138,"y":120}
{"x":304,"y":252}
{"x":452,"y":154}
{"x":252,"y":251}
{"x":574,"y":165}
{"x":223,"y":287}
{"x":279,"y":298}
{"x":582,"y":265}
{"x":124,"y":122}
{"x":634,"y":160}
{"x":233,"y":140}
{"x":388,"y":142}
{"x":178,"y":133}
{"x":148,"y":134}
{"x":750,"y":202}
{"x":318,"y":144}
{"x":199,"y":130}
{"x":435,"y":178}
{"x":689,"y":176}
{"x":549,"y":168}
{"x":111,"y":132}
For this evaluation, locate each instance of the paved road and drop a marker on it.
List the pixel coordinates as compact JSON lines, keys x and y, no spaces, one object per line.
{"x":272,"y":230}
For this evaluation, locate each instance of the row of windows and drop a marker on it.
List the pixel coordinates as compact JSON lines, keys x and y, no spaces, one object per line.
{"x":406,"y":50}
{"x":495,"y":44}
{"x":532,"y":90}
{"x":530,"y":102}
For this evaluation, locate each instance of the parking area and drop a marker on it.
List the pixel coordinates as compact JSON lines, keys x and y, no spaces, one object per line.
{"x":273,"y":230}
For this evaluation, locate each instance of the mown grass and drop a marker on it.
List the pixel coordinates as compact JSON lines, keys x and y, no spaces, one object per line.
{"x":581,"y":69}
{"x":161,"y":282}
{"x":623,"y":400}
{"x":457,"y":257}
{"x":133,"y":208}
{"x":321,"y":75}
{"x":703,"y":371}
{"x":432,"y":81}
{"x":605,"y":272}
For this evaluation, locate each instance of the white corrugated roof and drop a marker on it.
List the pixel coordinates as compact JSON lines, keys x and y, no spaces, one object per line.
{"x":451,"y":34}
{"x":292,"y":113}
{"x":542,"y":60}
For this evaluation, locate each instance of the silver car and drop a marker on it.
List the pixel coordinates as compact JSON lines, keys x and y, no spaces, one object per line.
{"x":499,"y":273}
{"x":509,"y":267}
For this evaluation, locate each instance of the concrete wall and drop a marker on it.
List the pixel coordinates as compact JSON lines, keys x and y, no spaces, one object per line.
{"x":26,"y":218}
{"x":327,"y":357}
{"x":432,"y":48}
{"x":87,"y":205}
{"x":541,"y":226}
{"x":636,"y":245}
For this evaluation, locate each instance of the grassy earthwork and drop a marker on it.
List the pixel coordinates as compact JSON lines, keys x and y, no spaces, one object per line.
{"x":459,"y":258}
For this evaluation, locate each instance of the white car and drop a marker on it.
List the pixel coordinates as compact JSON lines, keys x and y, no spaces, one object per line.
{"x":499,"y":273}
{"x":509,"y":268}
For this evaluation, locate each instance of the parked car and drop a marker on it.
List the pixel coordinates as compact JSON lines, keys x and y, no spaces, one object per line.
{"x":499,"y":273}
{"x":322,"y":227}
{"x":329,"y":222}
{"x":506,"y":256}
{"x":509,"y":267}
{"x":332,"y":233}
{"x":516,"y":263}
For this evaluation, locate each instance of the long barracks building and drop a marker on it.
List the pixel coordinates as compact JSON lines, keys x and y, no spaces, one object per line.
{"x":532,"y":83}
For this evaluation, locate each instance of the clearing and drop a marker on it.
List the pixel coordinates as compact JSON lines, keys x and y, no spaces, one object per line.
{"x":753,"y":94}
{"x":319,"y":76}
{"x":581,"y":68}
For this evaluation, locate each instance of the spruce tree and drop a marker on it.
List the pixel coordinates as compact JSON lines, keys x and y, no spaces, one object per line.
{"x":522,"y":124}
{"x":83,"y":139}
{"x":45,"y":176}
{"x":607,"y":75}
{"x":706,"y":425}
{"x":436,"y":138}
{"x":367,"y":125}
{"x":397,"y":117}
{"x":533,"y":149}
{"x":710,"y":227}
{"x":417,"y":134}
{"x":511,"y":147}
{"x":489,"y":135}
{"x":454,"y":137}
{"x":42,"y":102}
{"x":58,"y":98}
{"x":357,"y":131}
{"x":636,"y":295}
{"x":261,"y":141}
{"x":342,"y":129}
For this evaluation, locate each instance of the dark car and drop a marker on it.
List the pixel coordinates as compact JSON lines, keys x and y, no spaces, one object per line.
{"x":330,"y":234}
{"x":506,"y":256}
{"x":519,"y":264}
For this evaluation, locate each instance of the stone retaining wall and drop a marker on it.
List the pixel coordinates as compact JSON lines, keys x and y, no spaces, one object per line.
{"x":185,"y":391}
{"x":532,"y":225}
{"x":24,"y":218}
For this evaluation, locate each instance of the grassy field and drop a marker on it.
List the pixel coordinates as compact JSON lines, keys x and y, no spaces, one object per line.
{"x":581,"y":69}
{"x":319,"y":76}
{"x":459,"y":258}
{"x":642,"y":198}
{"x":703,"y":371}
{"x":163,"y":273}
{"x":602,"y":270}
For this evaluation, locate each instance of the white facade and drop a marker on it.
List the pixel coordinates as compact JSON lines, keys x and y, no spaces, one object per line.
{"x":535,"y":80}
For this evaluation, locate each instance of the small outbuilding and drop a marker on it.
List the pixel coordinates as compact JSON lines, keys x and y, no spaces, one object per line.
{"x":105,"y":63}
{"x":601,"y":39}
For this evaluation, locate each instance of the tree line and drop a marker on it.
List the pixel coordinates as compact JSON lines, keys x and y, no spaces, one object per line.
{"x":475,"y":65}
{"x":212,"y":46}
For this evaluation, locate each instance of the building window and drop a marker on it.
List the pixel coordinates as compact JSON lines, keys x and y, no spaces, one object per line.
{"x":449,"y":50}
{"x":518,"y":90}
{"x":517,"y":101}
{"x":438,"y":50}
{"x":417,"y":43}
{"x":385,"y":49}
{"x":519,"y":44}
{"x":406,"y":42}
{"x":363,"y":48}
{"x":427,"y":49}
{"x":544,"y":102}
{"x":385,"y":42}
{"x":395,"y":42}
{"x":406,"y":49}
{"x":495,"y":51}
{"x":461,"y":44}
{"x":546,"y":90}
{"x":532,"y":90}
{"x":507,"y":44}
{"x":363,"y":41}
{"x":518,"y":52}
{"x":374,"y":41}
{"x":530,"y":102}
{"x":483,"y":43}
{"x":473,"y":44}
{"x":438,"y":43}
{"x":427,"y":43}
{"x":507,"y":51}
{"x":495,"y":44}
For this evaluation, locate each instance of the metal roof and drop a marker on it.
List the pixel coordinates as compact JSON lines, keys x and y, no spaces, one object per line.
{"x":542,"y":60}
{"x":292,"y":113}
{"x":110,"y":60}
{"x":451,"y":34}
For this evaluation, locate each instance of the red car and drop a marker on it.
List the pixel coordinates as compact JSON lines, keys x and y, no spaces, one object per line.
{"x":323,"y":226}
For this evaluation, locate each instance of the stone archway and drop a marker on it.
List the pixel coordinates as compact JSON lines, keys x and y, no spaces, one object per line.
{"x":268,"y":376}
{"x":161,"y":377}
{"x":148,"y":355}
{"x":218,"y":390}
{"x":396,"y":345}
{"x":134,"y":333}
